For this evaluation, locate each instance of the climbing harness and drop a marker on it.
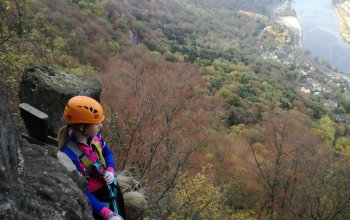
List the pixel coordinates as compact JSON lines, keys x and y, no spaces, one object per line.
{"x":98,"y":164}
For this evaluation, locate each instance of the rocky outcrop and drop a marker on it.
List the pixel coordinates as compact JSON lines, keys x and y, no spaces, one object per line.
{"x":134,"y":197}
{"x":49,"y":90}
{"x":9,"y":184}
{"x":40,"y":182}
{"x":34,"y":185}
{"x":50,"y":191}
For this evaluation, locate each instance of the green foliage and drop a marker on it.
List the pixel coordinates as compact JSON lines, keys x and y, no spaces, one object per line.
{"x":69,"y":34}
{"x":326,"y":128}
{"x":123,"y":23}
{"x":195,"y":196}
{"x":88,"y":6}
{"x":343,"y":144}
{"x":154,"y":46}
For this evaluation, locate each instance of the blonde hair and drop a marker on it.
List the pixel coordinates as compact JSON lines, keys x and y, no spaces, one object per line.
{"x":63,"y":136}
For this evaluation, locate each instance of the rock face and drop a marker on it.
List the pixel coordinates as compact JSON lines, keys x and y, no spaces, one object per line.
{"x":50,"y":190}
{"x":34,"y":185}
{"x":9,"y":184}
{"x":33,"y":182}
{"x":49,"y":90}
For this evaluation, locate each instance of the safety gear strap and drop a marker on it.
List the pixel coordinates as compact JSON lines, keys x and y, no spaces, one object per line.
{"x":113,"y":195}
{"x":80,"y":154}
{"x":96,"y":146}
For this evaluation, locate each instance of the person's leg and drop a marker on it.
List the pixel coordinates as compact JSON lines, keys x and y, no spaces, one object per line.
{"x":102,"y":195}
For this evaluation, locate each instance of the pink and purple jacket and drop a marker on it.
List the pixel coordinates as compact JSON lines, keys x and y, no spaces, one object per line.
{"x":94,"y":183}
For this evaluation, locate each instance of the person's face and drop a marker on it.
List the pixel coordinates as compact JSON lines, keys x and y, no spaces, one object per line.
{"x":93,"y":129}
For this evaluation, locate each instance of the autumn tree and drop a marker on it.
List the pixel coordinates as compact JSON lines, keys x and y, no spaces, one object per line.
{"x":158,"y":116}
{"x":12,"y":22}
{"x":197,"y":197}
{"x":14,"y":28}
{"x":295,"y":170}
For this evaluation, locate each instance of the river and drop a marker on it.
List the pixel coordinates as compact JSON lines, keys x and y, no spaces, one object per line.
{"x":321,"y":32}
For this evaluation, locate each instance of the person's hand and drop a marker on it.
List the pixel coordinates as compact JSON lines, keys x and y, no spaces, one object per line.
{"x":108,"y":214}
{"x":114,"y":216}
{"x":108,"y":177}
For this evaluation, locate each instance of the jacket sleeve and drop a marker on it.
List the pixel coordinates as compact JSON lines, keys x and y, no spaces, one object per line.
{"x":96,"y":205}
{"x":73,"y":158}
{"x":107,"y":154}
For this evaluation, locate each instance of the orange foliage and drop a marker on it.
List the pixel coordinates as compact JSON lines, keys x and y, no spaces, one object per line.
{"x":157,"y":115}
{"x":295,"y":169}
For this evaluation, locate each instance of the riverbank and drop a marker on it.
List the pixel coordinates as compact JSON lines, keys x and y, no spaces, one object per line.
{"x":291,"y":22}
{"x":342,"y":10}
{"x":285,"y":15}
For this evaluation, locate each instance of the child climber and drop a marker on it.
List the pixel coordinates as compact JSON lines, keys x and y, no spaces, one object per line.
{"x":81,"y":141}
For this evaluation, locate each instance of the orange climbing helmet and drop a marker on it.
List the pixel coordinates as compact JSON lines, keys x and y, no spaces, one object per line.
{"x":83,"y":109}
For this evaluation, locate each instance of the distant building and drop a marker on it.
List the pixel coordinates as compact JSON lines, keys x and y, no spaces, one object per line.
{"x":339,"y":119}
{"x":330,"y":103}
{"x":316,"y":90}
{"x":310,"y":81}
{"x":304,"y":90}
{"x":304,"y":73}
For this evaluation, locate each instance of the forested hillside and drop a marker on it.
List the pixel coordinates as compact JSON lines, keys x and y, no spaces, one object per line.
{"x":209,"y":127}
